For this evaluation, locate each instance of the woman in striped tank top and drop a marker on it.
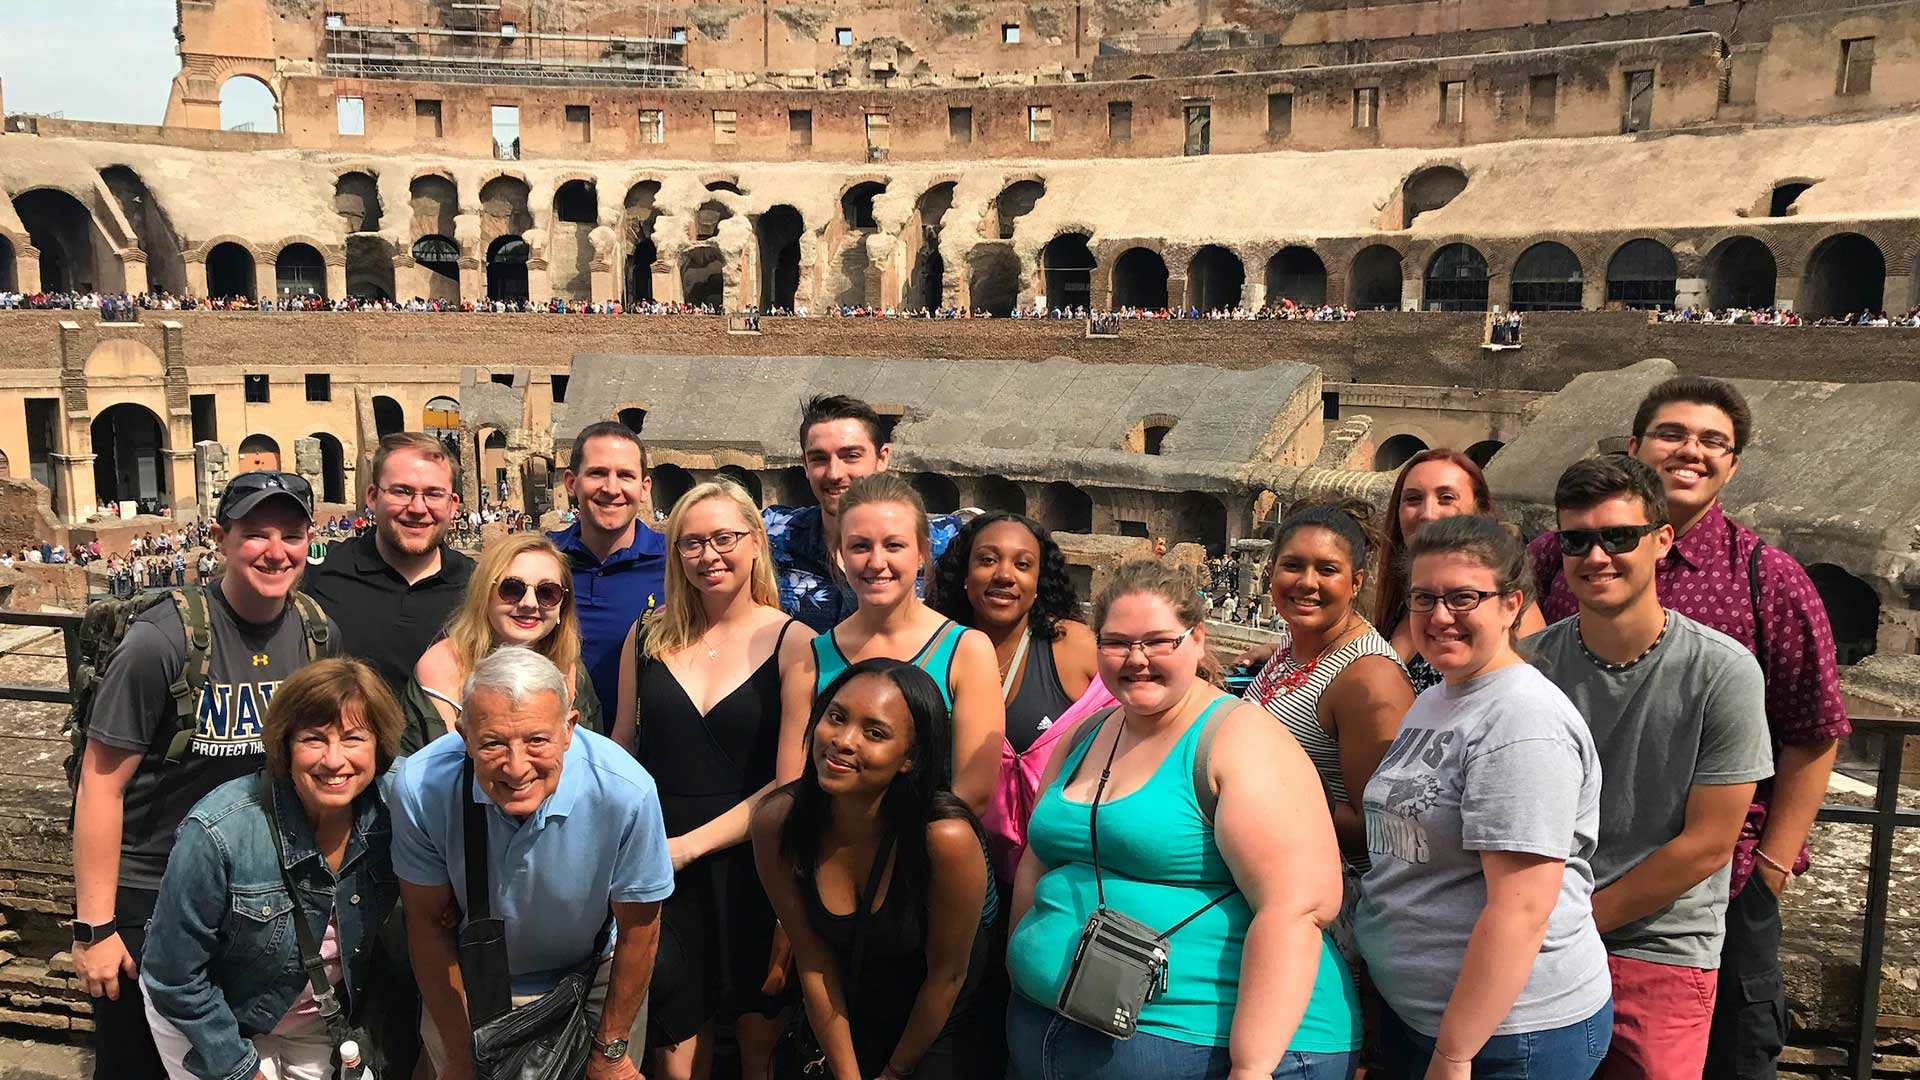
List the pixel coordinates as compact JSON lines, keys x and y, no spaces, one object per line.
{"x":1336,"y":683}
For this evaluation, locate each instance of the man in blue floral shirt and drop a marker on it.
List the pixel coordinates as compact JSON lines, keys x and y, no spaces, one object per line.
{"x":841,"y":440}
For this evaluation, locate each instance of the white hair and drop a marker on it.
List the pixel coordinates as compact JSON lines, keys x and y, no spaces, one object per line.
{"x":519,"y":673}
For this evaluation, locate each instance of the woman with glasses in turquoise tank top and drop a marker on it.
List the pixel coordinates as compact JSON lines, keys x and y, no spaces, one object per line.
{"x":883,"y":551}
{"x":1242,"y":896}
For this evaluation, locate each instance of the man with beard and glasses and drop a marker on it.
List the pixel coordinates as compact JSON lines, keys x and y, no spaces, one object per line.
{"x":392,"y":589}
{"x":618,"y":563}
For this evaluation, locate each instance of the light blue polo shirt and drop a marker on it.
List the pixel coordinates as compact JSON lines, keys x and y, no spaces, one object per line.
{"x":597,"y":838}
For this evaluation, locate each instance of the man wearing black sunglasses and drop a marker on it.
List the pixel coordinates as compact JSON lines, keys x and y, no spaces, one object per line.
{"x":142,"y":770}
{"x":1678,"y":717}
{"x":1692,"y":432}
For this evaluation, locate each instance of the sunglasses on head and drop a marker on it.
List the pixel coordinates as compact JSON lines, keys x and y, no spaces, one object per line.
{"x":1614,"y":539}
{"x":547,"y":594}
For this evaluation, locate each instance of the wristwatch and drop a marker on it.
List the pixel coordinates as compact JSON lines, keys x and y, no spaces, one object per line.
{"x":93,"y":933}
{"x":612,"y":1049}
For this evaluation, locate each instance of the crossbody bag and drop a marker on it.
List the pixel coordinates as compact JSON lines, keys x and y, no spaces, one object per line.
{"x":548,"y":1038}
{"x":1120,"y":964}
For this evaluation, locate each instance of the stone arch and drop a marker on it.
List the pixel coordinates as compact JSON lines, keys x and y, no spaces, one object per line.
{"x":299,"y":270}
{"x":927,"y":282}
{"x":1846,"y":272}
{"x":703,"y":276}
{"x":333,"y":468}
{"x":1216,"y":278}
{"x":1482,"y":452}
{"x":993,"y":278}
{"x":1070,"y":508}
{"x":669,"y":483}
{"x":434,"y":198}
{"x":1374,"y":277}
{"x":937,"y":492}
{"x":1139,"y":279}
{"x":1741,"y":272}
{"x":749,"y":482}
{"x":724,"y":181}
{"x":1853,"y":608}
{"x":999,"y":493}
{"x":369,"y":267}
{"x":569,"y":247}
{"x":634,"y":417}
{"x":388,"y":417}
{"x":1641,"y":274}
{"x":1016,"y":200}
{"x":248,"y":103}
{"x":1296,"y":273}
{"x":257,"y":451}
{"x":507,"y":259}
{"x":9,"y":264}
{"x":504,"y":209}
{"x":75,"y":255}
{"x":577,"y":201}
{"x":1785,"y":192}
{"x":231,"y":270}
{"x":639,"y":211}
{"x":1205,"y":516}
{"x":1546,"y":277}
{"x":153,"y":230}
{"x":1394,"y":452}
{"x":778,"y":232}
{"x":356,"y":198}
{"x":129,"y":443}
{"x":1455,"y":280}
{"x":440,"y":256}
{"x":1066,"y":268}
{"x":273,"y":250}
{"x":856,"y":203}
{"x":1148,"y":434}
{"x":1429,"y":188}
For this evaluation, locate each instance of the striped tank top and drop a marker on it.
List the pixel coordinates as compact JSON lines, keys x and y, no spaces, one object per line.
{"x":1295,"y":708}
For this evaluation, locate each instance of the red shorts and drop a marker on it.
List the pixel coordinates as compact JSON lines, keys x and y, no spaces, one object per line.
{"x":1661,"y":1016}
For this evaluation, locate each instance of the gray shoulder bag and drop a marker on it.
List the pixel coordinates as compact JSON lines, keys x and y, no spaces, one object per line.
{"x":1121,"y":963}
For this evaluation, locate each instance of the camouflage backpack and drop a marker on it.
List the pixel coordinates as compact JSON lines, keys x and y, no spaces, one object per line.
{"x":105,"y":624}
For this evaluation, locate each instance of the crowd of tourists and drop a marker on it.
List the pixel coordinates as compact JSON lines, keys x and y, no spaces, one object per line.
{"x":820,"y":791}
{"x":1742,"y":316}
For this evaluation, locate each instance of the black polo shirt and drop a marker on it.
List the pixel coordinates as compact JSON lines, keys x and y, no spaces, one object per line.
{"x":382,"y":619}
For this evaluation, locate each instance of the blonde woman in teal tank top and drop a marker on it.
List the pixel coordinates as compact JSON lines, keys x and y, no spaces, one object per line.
{"x":882,"y":548}
{"x":1254,"y":986}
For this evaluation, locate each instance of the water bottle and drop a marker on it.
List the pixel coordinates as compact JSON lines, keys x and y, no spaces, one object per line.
{"x":350,"y":1066}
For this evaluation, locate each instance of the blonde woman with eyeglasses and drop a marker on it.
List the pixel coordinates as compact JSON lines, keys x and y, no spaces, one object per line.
{"x":700,"y":706}
{"x":521,"y":593}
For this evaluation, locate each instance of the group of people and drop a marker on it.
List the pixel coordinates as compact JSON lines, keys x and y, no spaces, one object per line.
{"x":1745,"y":316}
{"x":131,"y":575}
{"x":860,"y":786}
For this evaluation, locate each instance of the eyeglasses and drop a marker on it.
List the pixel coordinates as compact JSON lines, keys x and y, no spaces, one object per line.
{"x":721,"y":543}
{"x":404,"y":495}
{"x":1456,"y":600}
{"x":1614,"y":539}
{"x":547,"y":594}
{"x":1153,"y":648}
{"x":1712,"y":443}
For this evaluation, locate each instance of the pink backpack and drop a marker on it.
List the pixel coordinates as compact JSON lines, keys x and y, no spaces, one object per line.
{"x":1018,"y":786}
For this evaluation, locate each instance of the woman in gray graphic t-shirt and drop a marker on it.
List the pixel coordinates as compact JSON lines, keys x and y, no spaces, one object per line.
{"x":1476,"y":916}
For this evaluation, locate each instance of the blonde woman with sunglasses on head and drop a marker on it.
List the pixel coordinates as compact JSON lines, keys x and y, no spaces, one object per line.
{"x":521,"y":593}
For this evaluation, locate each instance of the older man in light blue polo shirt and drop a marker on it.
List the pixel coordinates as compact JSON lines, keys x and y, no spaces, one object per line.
{"x":573,"y":827}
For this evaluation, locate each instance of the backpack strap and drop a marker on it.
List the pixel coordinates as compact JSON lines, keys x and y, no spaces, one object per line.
{"x":191,"y":603}
{"x":313,"y":622}
{"x":1753,"y":596}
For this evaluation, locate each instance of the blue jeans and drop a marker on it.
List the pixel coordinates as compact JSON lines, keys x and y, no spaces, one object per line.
{"x":1563,"y":1053}
{"x":1042,"y":1045}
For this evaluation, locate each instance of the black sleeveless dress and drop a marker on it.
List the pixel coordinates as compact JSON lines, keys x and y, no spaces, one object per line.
{"x":716,"y":930}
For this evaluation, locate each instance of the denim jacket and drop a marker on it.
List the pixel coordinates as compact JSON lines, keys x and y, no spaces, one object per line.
{"x":222,"y":960}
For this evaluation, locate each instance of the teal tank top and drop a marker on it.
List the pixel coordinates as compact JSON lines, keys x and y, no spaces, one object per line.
{"x":935,"y":658}
{"x":1159,"y":863}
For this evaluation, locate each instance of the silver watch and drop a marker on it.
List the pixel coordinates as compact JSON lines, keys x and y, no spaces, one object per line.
{"x":612,"y":1049}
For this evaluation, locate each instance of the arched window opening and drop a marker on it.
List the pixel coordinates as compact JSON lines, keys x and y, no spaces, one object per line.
{"x":1204,"y":519}
{"x":940,"y":494}
{"x":1784,"y":196}
{"x":388,"y":417}
{"x":1066,"y":265}
{"x":1547,"y":277}
{"x":1394,"y":452}
{"x":1072,"y":508}
{"x":299,"y":271}
{"x":1000,"y":493}
{"x":1429,"y":189}
{"x":247,"y":104}
{"x":702,"y":280}
{"x":1482,"y":452}
{"x":993,"y":278}
{"x":356,"y":198}
{"x":1140,"y":280}
{"x":369,"y":267}
{"x":856,"y":206}
{"x":1016,"y":200}
{"x":257,"y":452}
{"x":1373,"y":282}
{"x":1296,"y":273}
{"x":748,"y":482}
{"x":577,"y":202}
{"x":640,"y":262}
{"x":1846,"y":275}
{"x":1457,"y":279}
{"x":1215,"y":279}
{"x":1853,"y":608}
{"x":129,"y":447}
{"x":669,"y":483}
{"x":779,"y":231}
{"x":1642,"y":275}
{"x":635,"y":418}
{"x":440,"y":257}
{"x":230,"y":271}
{"x":1741,"y":273}
{"x":333,"y":468}
{"x":73,"y":253}
{"x":152,"y":229}
{"x":1153,"y":438}
{"x":434,"y":202}
{"x":507,"y":269}
{"x":503,"y":207}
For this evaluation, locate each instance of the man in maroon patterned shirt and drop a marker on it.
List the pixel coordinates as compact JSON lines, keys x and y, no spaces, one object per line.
{"x":1692,"y":430}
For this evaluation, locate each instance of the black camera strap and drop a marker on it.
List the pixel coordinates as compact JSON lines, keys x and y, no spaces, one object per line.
{"x":316,"y":968}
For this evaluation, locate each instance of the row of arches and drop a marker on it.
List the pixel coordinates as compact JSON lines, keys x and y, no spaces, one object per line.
{"x":130,"y":448}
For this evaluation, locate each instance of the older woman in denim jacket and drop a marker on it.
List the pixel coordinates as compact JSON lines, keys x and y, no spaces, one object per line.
{"x":227,"y":995}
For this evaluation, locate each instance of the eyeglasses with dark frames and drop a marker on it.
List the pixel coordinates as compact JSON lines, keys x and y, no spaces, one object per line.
{"x":1613,"y":539}
{"x":1153,"y":648}
{"x":721,"y":542}
{"x":1456,"y":600}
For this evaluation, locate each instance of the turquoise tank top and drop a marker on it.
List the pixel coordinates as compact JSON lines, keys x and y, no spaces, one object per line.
{"x":1159,"y":862}
{"x":935,"y":658}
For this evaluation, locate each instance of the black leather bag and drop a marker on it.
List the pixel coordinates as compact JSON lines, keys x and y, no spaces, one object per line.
{"x":548,"y":1038}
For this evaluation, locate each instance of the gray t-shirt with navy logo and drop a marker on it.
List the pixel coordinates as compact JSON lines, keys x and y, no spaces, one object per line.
{"x":134,"y":711}
{"x":1502,"y":762}
{"x":1692,"y":711}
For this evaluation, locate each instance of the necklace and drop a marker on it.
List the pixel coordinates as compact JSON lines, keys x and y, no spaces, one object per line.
{"x":1609,"y":665}
{"x":1293,"y":678}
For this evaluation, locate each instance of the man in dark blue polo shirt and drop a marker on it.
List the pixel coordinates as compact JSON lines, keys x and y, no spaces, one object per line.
{"x":617,"y":562}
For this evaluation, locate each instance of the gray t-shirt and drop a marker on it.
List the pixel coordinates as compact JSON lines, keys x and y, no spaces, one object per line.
{"x":1501,"y":763}
{"x":1693,"y":711}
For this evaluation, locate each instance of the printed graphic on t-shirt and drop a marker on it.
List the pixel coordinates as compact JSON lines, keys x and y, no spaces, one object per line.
{"x":227,"y":723}
{"x":1393,"y":824}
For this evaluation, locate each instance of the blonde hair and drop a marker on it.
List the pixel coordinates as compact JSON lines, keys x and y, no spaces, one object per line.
{"x":882,"y":487}
{"x":325,"y":693}
{"x":470,"y":631}
{"x":682,"y":619}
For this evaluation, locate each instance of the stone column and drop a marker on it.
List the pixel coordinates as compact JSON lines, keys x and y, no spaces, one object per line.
{"x":336,"y":276}
{"x":539,"y":281}
{"x":1786,"y":293}
{"x":666,"y":281}
{"x":1409,"y":293}
{"x":209,"y":473}
{"x":469,"y":471}
{"x":604,"y":289}
{"x":197,"y":277}
{"x":1688,"y":292}
{"x":1253,"y":294}
{"x":133,"y":267}
{"x":409,"y":279}
{"x":26,"y":269}
{"x":73,"y":487}
{"x":266,"y":277}
{"x":1176,"y":292}
{"x":1898,"y":295}
{"x":307,"y":463}
{"x":1593,"y":293}
{"x":473,"y":279}
{"x":182,"y":483}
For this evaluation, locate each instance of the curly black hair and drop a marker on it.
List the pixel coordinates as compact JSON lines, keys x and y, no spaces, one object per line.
{"x":1053,"y":598}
